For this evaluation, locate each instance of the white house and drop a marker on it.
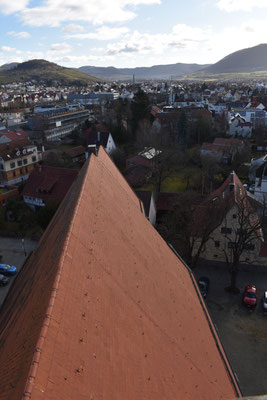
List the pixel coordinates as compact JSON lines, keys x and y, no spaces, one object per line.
{"x":238,"y":126}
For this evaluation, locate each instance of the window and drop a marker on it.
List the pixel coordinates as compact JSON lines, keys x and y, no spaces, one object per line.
{"x":249,"y":246}
{"x":231,"y":245}
{"x":217,"y":243}
{"x":26,"y":169}
{"x":25,"y":161}
{"x":33,"y":158}
{"x":12,"y":164}
{"x":226,"y":230}
{"x":14,"y":173}
{"x":234,"y":216}
{"x":19,"y":163}
{"x":21,"y":171}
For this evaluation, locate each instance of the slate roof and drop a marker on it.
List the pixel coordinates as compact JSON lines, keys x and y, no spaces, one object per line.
{"x":49,"y":183}
{"x":103,"y":309}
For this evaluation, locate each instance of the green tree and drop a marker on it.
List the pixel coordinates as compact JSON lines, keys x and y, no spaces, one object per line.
{"x":140,"y":108}
{"x":46,"y":213}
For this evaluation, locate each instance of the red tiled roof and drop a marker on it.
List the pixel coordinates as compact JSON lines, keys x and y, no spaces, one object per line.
{"x":49,"y":183}
{"x":16,"y":135}
{"x":9,"y":151}
{"x":76,"y":151}
{"x":103,"y":309}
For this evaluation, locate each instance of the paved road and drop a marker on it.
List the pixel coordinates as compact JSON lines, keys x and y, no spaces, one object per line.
{"x":243,"y":333}
{"x":14,"y":253}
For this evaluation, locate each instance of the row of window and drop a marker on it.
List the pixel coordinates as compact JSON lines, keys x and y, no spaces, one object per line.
{"x":231,"y":245}
{"x":229,"y":231}
{"x":20,"y":162}
{"x":20,"y":172}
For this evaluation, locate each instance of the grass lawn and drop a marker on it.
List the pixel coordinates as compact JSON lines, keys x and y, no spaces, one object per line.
{"x":173,"y":184}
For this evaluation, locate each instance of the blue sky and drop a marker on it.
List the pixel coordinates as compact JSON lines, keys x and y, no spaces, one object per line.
{"x":129,"y":33}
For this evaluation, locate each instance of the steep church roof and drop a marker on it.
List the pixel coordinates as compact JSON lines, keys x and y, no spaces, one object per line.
{"x":103,"y":309}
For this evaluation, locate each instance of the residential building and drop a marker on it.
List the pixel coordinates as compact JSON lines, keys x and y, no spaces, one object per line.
{"x":256,"y":116}
{"x":77,"y":154}
{"x":103,"y":308}
{"x":258,"y":179}
{"x":47,"y":184}
{"x":147,"y":198}
{"x":93,"y":98}
{"x":98,"y":138}
{"x":223,"y":150}
{"x":18,"y":159}
{"x":7,"y":192}
{"x":238,"y":126}
{"x":145,"y":158}
{"x":223,"y":217}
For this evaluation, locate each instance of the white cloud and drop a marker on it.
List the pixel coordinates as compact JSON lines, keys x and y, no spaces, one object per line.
{"x":7,"y":48}
{"x":240,"y":5}
{"x":56,"y":12}
{"x":181,"y":36}
{"x":73,"y":28}
{"x":60,"y":48}
{"x":9,"y":6}
{"x":19,"y":35}
{"x":78,"y":60}
{"x":102,"y":33}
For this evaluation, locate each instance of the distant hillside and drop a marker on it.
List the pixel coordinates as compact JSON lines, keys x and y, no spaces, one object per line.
{"x":42,"y":70}
{"x":246,"y":60}
{"x":8,"y":66}
{"x":169,"y":71}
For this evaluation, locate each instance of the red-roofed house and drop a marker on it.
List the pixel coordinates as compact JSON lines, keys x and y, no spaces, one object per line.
{"x":104,"y":309}
{"x":46,"y":184}
{"x":223,"y":150}
{"x":18,"y":159}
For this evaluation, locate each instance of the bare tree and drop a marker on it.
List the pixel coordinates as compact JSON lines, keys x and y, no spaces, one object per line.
{"x":246,"y":237}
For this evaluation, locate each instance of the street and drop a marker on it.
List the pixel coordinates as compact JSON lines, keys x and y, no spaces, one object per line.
{"x":243,"y":333}
{"x":14,"y":252}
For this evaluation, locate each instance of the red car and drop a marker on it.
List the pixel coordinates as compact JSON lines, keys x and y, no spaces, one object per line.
{"x":250,"y":296}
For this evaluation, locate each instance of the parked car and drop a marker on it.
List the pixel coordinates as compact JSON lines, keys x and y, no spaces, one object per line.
{"x":264,"y":302}
{"x":250,"y":296}
{"x":3,"y":280}
{"x":203,"y":284}
{"x":6,"y":269}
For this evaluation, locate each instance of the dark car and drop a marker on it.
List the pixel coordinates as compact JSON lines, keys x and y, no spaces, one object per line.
{"x":250,"y":296}
{"x":203,"y":284}
{"x":3,"y":280}
{"x":6,"y":269}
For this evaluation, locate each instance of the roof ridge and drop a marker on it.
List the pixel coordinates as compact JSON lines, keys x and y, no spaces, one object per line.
{"x":39,"y":345}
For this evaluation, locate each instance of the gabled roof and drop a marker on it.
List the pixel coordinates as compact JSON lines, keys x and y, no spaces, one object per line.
{"x":14,"y":149}
{"x":103,"y":309}
{"x":49,"y":183}
{"x":76,"y":151}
